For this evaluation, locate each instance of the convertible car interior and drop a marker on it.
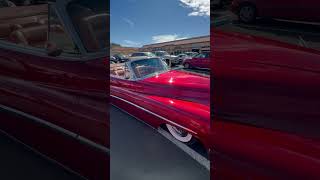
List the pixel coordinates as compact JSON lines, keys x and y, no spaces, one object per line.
{"x":119,"y":71}
{"x":30,"y":27}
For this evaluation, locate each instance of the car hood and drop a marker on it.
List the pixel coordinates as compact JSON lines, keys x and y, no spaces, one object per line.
{"x":181,"y":85}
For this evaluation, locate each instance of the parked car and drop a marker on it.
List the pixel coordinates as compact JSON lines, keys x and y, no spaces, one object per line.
{"x":191,"y":54}
{"x":53,"y":82}
{"x":265,"y":122}
{"x":186,"y":55}
{"x":169,"y":59}
{"x":182,"y":57}
{"x":142,"y":54}
{"x":198,"y":61}
{"x":113,"y":60}
{"x":172,"y":99}
{"x":249,"y":10}
{"x":120,"y":58}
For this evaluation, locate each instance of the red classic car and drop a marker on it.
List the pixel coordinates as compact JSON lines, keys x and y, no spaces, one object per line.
{"x":266,"y":108}
{"x":298,"y":10}
{"x":53,"y":82}
{"x":199,"y":61}
{"x":174,"y":99}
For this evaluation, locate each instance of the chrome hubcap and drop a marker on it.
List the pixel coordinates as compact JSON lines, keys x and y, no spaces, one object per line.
{"x":180,"y":131}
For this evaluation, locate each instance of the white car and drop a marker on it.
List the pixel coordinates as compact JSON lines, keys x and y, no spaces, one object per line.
{"x":169,"y":59}
{"x":141,"y":54}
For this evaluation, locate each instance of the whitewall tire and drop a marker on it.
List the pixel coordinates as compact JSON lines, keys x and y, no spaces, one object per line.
{"x":180,"y":134}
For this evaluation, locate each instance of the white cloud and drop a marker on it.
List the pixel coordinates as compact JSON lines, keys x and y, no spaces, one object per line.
{"x":166,"y":38}
{"x":199,"y":7}
{"x":128,"y":43}
{"x":131,"y":23}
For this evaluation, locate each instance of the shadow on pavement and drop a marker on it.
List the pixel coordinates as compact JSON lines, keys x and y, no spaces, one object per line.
{"x":139,"y":152}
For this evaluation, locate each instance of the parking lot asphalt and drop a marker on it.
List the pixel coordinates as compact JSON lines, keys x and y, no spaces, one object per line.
{"x":18,"y":162}
{"x":139,"y":152}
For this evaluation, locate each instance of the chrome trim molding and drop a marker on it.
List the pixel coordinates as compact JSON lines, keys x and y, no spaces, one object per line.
{"x":152,"y":113}
{"x":59,"y":129}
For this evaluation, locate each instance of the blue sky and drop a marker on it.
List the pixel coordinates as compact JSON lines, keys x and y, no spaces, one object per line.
{"x":138,"y":22}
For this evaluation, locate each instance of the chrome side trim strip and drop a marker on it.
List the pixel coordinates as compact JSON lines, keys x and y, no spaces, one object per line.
{"x":59,"y":129}
{"x":152,"y":113}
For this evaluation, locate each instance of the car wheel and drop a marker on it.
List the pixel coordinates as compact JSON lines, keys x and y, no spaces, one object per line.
{"x":247,"y":13}
{"x":180,"y":134}
{"x":187,"y":65}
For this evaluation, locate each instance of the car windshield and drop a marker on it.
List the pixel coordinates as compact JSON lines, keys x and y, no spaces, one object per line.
{"x":198,"y":56}
{"x":161,"y":53}
{"x":150,"y":54}
{"x":148,"y":67}
{"x":191,"y":54}
{"x":121,"y":56}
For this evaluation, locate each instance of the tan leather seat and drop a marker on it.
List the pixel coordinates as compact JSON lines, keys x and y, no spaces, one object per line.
{"x":7,"y":29}
{"x":32,"y":36}
{"x":120,"y":72}
{"x":35,"y":36}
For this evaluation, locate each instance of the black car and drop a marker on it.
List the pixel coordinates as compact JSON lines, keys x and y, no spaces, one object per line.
{"x":120,"y":58}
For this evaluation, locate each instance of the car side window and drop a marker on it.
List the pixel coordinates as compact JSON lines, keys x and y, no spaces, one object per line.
{"x":57,"y":35}
{"x":37,"y":28}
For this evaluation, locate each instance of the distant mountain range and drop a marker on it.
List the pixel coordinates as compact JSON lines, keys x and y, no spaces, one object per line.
{"x":118,"y":49}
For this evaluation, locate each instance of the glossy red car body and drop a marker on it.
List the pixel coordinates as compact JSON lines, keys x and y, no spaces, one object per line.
{"x":265,"y":109}
{"x":57,"y":105}
{"x":198,"y":62}
{"x":299,"y":10}
{"x":173,"y":97}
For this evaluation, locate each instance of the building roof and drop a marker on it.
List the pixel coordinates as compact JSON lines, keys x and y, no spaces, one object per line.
{"x":180,"y":42}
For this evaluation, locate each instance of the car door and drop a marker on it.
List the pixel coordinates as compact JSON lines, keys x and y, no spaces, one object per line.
{"x":61,"y":97}
{"x":265,"y":109}
{"x":196,"y":61}
{"x":201,"y":61}
{"x":206,"y":60}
